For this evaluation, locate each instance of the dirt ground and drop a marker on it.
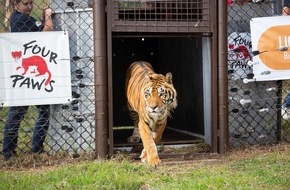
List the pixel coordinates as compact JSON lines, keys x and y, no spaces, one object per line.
{"x":170,"y":156}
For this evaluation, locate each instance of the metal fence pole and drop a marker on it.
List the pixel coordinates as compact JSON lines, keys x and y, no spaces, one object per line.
{"x":101,"y":95}
{"x":214,"y":74}
{"x":279,"y":105}
{"x":222,"y":76}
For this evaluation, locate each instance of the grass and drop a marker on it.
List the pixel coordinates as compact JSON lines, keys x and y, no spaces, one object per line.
{"x":251,"y":168}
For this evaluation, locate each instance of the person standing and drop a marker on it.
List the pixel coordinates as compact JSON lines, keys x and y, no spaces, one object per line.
{"x":286,"y":103}
{"x":21,"y":21}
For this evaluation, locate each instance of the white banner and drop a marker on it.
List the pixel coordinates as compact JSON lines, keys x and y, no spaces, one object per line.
{"x":239,"y":53}
{"x":34,"y":68}
{"x":270,"y":46}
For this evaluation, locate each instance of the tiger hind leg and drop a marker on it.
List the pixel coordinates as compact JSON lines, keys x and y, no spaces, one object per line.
{"x":135,"y":137}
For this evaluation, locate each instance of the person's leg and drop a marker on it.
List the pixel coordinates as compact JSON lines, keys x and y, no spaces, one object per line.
{"x":286,"y":108}
{"x":286,"y":102}
{"x":14,"y":117}
{"x":40,"y":128}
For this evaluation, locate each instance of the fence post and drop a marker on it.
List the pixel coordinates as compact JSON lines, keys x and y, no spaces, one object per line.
{"x":222,"y":77}
{"x":100,"y":80}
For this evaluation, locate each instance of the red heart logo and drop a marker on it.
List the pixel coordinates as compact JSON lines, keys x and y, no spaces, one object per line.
{"x":16,"y":54}
{"x":231,"y":46}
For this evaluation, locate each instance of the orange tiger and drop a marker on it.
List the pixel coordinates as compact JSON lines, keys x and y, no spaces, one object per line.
{"x":150,"y":98}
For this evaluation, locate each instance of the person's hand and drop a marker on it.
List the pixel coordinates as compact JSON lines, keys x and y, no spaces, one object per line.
{"x":47,"y":11}
{"x":46,"y":16}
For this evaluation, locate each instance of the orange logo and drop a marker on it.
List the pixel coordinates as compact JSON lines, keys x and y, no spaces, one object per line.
{"x":268,"y":45}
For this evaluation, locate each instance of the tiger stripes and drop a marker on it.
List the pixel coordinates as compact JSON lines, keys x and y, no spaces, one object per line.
{"x":151,"y":97}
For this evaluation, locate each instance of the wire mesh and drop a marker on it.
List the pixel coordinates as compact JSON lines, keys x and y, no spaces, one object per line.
{"x":160,"y":10}
{"x":159,"y":16}
{"x":255,"y":115}
{"x":71,"y":126}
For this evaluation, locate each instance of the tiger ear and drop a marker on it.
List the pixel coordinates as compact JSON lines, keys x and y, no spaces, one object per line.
{"x":148,"y":77}
{"x":168,"y":78}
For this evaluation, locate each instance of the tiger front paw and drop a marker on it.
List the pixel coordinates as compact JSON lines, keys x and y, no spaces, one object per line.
{"x":154,"y":161}
{"x":143,"y":156}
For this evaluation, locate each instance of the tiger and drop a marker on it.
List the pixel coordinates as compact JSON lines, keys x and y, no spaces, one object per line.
{"x":150,"y":99}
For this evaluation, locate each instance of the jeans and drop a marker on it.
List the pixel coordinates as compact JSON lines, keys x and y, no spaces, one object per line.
{"x":14,"y":117}
{"x":286,"y":102}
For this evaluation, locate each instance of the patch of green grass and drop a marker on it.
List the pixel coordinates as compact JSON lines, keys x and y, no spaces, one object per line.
{"x":268,"y":170}
{"x":256,"y":173}
{"x":100,"y":175}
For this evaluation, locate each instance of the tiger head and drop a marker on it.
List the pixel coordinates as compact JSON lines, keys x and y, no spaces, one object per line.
{"x":159,"y":95}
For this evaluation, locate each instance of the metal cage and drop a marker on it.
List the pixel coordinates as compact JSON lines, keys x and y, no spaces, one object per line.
{"x":159,"y":16}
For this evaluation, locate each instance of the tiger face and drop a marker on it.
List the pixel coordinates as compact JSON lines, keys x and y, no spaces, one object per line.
{"x":159,"y":95}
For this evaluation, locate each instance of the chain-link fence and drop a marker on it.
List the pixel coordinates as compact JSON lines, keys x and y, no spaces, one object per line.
{"x":255,"y":115}
{"x":71,"y":126}
{"x":254,"y":108}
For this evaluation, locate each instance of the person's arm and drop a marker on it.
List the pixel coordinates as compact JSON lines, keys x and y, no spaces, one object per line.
{"x":286,"y":8}
{"x":47,"y":20}
{"x":285,"y":11}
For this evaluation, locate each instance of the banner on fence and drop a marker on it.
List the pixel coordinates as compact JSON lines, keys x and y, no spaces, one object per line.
{"x":34,"y":68}
{"x":270,"y":47}
{"x":239,"y":53}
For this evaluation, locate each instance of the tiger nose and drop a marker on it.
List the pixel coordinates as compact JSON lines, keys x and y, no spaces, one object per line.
{"x":153,"y":107}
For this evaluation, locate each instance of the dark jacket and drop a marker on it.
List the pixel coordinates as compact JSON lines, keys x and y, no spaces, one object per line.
{"x":20,"y":22}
